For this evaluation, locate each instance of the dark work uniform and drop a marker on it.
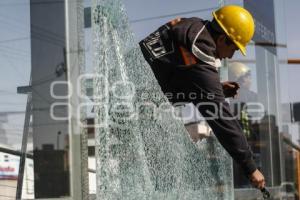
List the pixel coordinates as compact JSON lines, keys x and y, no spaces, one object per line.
{"x":182,"y":55}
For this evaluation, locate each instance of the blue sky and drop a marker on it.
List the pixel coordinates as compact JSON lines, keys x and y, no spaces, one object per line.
{"x":293,"y":28}
{"x":15,"y":64}
{"x":290,"y":73}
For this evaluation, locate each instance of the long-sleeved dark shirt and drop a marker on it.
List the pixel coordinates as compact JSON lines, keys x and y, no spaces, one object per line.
{"x":196,"y":81}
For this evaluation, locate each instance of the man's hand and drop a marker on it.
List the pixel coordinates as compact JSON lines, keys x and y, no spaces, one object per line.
{"x":257,"y":179}
{"x":230,"y":89}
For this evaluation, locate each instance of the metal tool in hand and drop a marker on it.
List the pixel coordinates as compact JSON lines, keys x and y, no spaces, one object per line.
{"x":266,"y":193}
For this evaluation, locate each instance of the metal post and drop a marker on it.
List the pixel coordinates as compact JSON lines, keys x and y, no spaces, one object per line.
{"x":75,"y":67}
{"x":24,"y":148}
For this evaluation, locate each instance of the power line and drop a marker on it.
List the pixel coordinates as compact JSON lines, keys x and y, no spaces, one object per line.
{"x":14,"y":67}
{"x":15,"y":39}
{"x":14,"y":51}
{"x":40,"y":34}
{"x":41,"y":2}
{"x":173,"y":14}
{"x":169,"y":15}
{"x":19,"y":50}
{"x":37,"y":31}
{"x":4,"y":21}
{"x":15,"y":55}
{"x":53,"y":42}
{"x":47,"y":101}
{"x":46,"y":31}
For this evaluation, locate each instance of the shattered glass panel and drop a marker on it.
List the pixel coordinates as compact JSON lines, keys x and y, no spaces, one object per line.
{"x":143,"y":150}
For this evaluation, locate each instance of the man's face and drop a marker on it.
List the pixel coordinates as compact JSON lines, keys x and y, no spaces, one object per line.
{"x":225,"y":47}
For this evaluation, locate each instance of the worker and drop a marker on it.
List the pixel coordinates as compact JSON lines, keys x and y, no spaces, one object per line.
{"x":184,"y":55}
{"x":241,"y":73}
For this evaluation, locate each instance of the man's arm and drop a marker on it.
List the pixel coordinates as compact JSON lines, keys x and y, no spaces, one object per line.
{"x":204,"y":80}
{"x":228,"y":132}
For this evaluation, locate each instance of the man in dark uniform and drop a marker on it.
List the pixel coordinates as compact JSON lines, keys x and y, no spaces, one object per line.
{"x":184,"y":55}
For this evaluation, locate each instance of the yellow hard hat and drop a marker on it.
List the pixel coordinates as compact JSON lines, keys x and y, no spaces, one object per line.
{"x":237,"y":23}
{"x":237,"y":70}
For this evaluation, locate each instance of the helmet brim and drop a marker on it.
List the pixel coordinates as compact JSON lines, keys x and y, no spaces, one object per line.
{"x":241,"y":47}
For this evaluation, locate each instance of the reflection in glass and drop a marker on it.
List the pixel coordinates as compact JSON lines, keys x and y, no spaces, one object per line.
{"x":49,"y":100}
{"x":15,"y":72}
